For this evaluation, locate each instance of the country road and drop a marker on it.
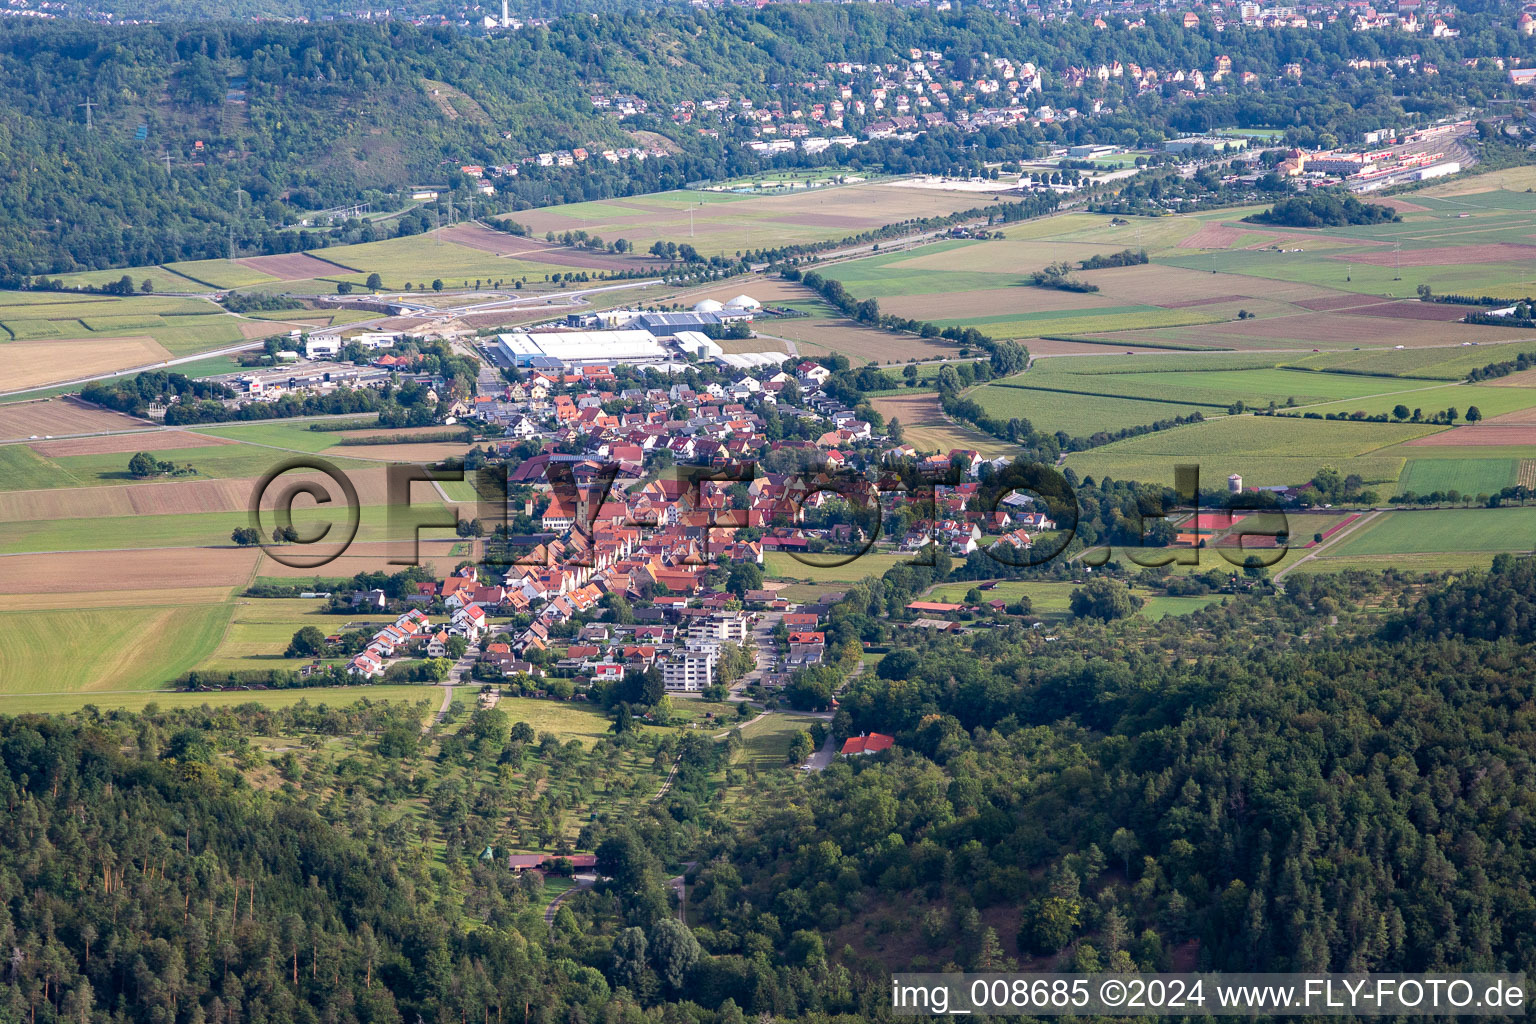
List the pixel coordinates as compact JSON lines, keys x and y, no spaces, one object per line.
{"x":1329,"y":543}
{"x":582,"y":883}
{"x":442,"y":712}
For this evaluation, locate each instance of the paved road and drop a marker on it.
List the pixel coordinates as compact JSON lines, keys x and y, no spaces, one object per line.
{"x":583,"y":882}
{"x":762,"y":649}
{"x":1329,"y":543}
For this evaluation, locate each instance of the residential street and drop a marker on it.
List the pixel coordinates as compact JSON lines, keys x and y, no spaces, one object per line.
{"x":763,"y":650}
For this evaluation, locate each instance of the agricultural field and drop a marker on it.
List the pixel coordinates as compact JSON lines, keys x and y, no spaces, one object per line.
{"x":1458,"y":241}
{"x":1470,"y":476}
{"x":1266,"y":451}
{"x":1432,"y":531}
{"x":926,"y":428}
{"x":137,"y":700}
{"x":259,"y":630}
{"x":1200,"y":385}
{"x":191,"y":530}
{"x":1427,"y":363}
{"x":780,"y":566}
{"x":720,"y":223}
{"x":1079,"y":415}
{"x":419,"y":259}
{"x":1506,"y":403}
{"x":60,"y":336}
{"x":122,"y":648}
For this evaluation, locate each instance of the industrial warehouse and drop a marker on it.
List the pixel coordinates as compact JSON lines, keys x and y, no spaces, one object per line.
{"x":663,"y":340}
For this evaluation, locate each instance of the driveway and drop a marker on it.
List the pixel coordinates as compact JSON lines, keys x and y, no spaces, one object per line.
{"x":824,"y":756}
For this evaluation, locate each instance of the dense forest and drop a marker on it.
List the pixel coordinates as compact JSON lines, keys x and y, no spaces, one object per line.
{"x":1338,"y":777}
{"x":210,"y":136}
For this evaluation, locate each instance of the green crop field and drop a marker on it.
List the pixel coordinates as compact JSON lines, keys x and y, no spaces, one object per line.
{"x":1159,"y":605}
{"x":334,"y":696}
{"x":220,"y":273}
{"x":292,"y":433}
{"x":1078,"y":415}
{"x":259,"y":631}
{"x":31,"y":330}
{"x":1272,"y":435}
{"x":1266,"y":451}
{"x":1331,"y":268}
{"x":160,"y":279}
{"x":1490,"y":401}
{"x":1213,"y":386}
{"x":885,"y":276}
{"x":22,"y":469}
{"x":122,"y":324}
{"x":29,"y":471}
{"x":189,"y":335}
{"x":1419,"y":562}
{"x":1048,"y":599}
{"x":1467,"y":475}
{"x":1052,"y":601}
{"x":193,"y":529}
{"x":1432,"y":363}
{"x":1256,"y":470}
{"x":134,"y":648}
{"x":421,"y":258}
{"x":1444,"y":530}
{"x":779,"y":565}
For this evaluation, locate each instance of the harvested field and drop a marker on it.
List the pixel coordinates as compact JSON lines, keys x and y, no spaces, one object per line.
{"x":860,"y":344}
{"x":1257,"y":236}
{"x":738,"y":346}
{"x":114,"y":598}
{"x":1523,"y":379}
{"x":478,"y":236}
{"x":149,"y":569}
{"x":1182,"y":303}
{"x":291,"y":266}
{"x":21,"y":420}
{"x":927,"y":429}
{"x":767,"y":290}
{"x":991,"y":302}
{"x":724,"y":224}
{"x":36,"y":363}
{"x":1046,"y":347}
{"x":1483,"y":435}
{"x":1442,"y":312}
{"x":1213,"y":236}
{"x":1447,"y":255}
{"x":252,"y":329}
{"x":1156,"y":284}
{"x":436,"y":555}
{"x":1525,"y":475}
{"x":111,"y":444}
{"x":1317,"y":329}
{"x":169,"y":498}
{"x":1527,"y":415}
{"x":1328,"y":303}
